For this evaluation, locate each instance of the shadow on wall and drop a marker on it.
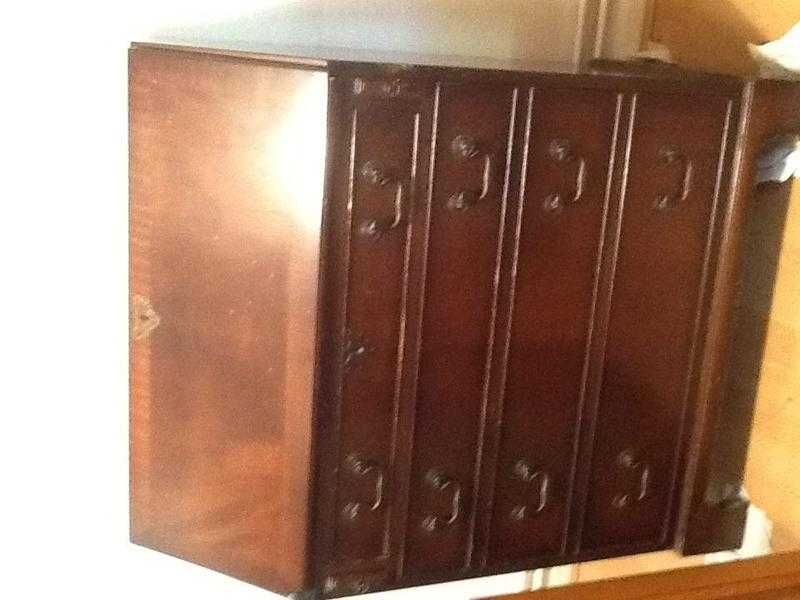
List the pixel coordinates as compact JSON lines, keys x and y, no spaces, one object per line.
{"x":540,"y":29}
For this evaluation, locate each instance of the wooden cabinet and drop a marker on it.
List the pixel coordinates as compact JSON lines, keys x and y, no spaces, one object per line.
{"x":398,"y":324}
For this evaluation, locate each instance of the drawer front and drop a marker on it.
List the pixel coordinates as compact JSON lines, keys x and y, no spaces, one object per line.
{"x":572,"y":137}
{"x":669,"y":205}
{"x":382,"y":155}
{"x":468,"y":205}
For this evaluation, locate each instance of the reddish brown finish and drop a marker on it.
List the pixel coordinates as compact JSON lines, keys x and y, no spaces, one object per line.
{"x":475,"y":125}
{"x":773,"y":577}
{"x":714,"y":508}
{"x":557,"y":260}
{"x":378,"y":130}
{"x":225,"y":220}
{"x":513,"y":297}
{"x":386,"y":136}
{"x":655,"y":306}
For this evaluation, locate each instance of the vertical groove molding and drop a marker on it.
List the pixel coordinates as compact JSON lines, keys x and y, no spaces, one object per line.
{"x":711,"y":519}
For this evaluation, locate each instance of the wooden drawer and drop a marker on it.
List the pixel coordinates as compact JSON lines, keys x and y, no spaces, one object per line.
{"x":562,"y":222}
{"x":669,"y":209}
{"x":468,"y":203}
{"x":383,"y":153}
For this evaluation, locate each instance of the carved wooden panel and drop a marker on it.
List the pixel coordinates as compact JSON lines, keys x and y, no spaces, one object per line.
{"x":468,"y":202}
{"x":669,"y":206}
{"x":571,"y":136}
{"x":382,"y":162}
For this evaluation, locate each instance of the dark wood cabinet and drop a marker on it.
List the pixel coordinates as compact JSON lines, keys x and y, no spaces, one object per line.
{"x":399,"y":322}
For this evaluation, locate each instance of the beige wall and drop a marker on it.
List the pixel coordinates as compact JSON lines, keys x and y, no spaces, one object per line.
{"x":712,"y":34}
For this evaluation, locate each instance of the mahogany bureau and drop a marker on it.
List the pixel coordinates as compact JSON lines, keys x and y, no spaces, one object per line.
{"x":403,"y":320}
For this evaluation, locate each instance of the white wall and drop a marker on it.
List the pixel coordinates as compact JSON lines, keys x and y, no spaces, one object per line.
{"x":544,"y":29}
{"x":63,"y":257}
{"x":623,"y":23}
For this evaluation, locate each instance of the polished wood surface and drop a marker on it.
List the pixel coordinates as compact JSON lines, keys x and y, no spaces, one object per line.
{"x":636,"y":564}
{"x":225,"y":220}
{"x":468,"y":204}
{"x":377,"y":180}
{"x":669,"y":209}
{"x":384,"y":139}
{"x":717,"y":507}
{"x":774,"y":577}
{"x":500,"y":348}
{"x":564,"y":203}
{"x":767,"y":336}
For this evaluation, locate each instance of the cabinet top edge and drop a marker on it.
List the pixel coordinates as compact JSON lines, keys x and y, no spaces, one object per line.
{"x":298,"y":60}
{"x":337,"y":59}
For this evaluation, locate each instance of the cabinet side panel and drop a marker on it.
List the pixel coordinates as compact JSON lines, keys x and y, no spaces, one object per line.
{"x":227,"y":168}
{"x":714,"y":510}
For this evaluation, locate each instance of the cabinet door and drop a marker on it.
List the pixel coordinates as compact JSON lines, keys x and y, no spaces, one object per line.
{"x":572,"y":134}
{"x":475,"y":126}
{"x":383,"y":152}
{"x":669,"y":207}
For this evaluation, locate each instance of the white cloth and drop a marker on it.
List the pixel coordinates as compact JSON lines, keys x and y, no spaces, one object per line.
{"x":780,"y":159}
{"x":781,"y":58}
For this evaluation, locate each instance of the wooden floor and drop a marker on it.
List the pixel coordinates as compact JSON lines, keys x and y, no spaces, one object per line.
{"x":775,"y":577}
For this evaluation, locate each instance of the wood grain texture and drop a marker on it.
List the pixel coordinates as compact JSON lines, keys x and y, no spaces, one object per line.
{"x":385,"y":136}
{"x":640,"y":564}
{"x":770,"y":578}
{"x":654,"y":320}
{"x":763,"y":375}
{"x":463,"y":256}
{"x":225,"y":224}
{"x":717,"y":475}
{"x":557,"y":258}
{"x":370,"y":274}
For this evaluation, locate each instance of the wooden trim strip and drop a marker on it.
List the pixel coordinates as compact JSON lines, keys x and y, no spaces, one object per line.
{"x":414,"y":308}
{"x":594,"y":354}
{"x":480,"y":514}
